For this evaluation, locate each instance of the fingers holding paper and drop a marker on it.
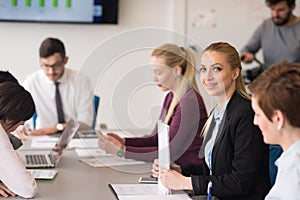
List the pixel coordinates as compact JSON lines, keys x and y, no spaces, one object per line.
{"x":155,"y":168}
{"x":173,"y":180}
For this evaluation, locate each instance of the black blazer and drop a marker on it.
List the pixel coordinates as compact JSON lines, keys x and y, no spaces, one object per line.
{"x":239,"y":159}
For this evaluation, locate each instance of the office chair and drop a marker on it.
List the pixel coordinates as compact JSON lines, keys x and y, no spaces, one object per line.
{"x":274,"y":153}
{"x":96,"y":105}
{"x":96,"y":102}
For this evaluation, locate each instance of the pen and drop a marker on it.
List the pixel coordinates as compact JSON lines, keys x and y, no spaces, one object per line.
{"x":209,"y":187}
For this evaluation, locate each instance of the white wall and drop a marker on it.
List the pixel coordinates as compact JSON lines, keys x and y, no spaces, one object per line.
{"x":19,"y":43}
{"x":115,"y":57}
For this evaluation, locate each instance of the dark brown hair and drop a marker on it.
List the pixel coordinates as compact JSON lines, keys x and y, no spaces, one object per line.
{"x":51,"y":46}
{"x":290,"y":3}
{"x":16,"y":103}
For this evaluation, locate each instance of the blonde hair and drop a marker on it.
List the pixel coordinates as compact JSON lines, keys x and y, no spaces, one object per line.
{"x":233,"y":59}
{"x":179,"y":56}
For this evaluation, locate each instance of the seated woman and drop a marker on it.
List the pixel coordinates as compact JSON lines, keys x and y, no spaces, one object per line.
{"x":16,"y":106}
{"x":183,"y":110}
{"x":275,"y":101}
{"x":236,"y":158}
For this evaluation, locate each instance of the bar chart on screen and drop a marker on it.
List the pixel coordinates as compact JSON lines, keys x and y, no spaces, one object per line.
{"x":64,"y":11}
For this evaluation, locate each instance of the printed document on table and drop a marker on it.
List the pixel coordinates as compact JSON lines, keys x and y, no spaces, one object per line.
{"x":83,"y":143}
{"x":144,"y":191}
{"x":107,"y":161}
{"x":43,"y":142}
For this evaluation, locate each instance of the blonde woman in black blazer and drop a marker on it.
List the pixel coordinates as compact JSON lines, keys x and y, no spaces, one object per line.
{"x":236,"y":158}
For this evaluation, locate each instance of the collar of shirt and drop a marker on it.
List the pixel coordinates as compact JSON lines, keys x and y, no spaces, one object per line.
{"x":284,"y":159}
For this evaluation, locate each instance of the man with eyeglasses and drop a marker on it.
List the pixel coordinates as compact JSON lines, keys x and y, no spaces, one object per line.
{"x":59,"y":93}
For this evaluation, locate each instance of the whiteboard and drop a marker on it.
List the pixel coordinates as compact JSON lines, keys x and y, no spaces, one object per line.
{"x":233,"y":21}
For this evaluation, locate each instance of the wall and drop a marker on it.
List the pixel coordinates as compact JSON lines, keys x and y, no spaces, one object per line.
{"x":115,"y":57}
{"x":19,"y":54}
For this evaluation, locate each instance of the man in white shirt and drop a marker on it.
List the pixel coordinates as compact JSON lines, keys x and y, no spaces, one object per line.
{"x":76,"y":95}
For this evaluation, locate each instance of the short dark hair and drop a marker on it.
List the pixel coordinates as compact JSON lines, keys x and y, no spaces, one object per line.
{"x":278,"y":88}
{"x":7,"y":76}
{"x":51,"y":46}
{"x":16,"y":103}
{"x":290,"y":3}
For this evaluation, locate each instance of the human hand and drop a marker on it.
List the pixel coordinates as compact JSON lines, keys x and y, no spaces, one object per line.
{"x":21,"y":132}
{"x":117,"y":137}
{"x":44,"y":131}
{"x":174,"y":180}
{"x":247,"y":57}
{"x":155,"y":168}
{"x":4,"y":191}
{"x":109,"y":144}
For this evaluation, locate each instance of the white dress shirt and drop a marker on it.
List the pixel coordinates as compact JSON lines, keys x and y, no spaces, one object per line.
{"x":287,"y":183}
{"x":76,"y":95}
{"x":12,"y":170}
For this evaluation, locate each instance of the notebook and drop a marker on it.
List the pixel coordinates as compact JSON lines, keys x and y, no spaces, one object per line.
{"x":34,"y":159}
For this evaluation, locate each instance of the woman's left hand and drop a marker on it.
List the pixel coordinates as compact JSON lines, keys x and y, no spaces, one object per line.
{"x":109,"y":144}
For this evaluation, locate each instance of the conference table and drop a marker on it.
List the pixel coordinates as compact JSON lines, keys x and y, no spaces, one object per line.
{"x":77,"y":180}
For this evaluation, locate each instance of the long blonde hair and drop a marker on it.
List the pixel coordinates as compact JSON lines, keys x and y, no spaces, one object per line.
{"x":179,"y":56}
{"x":233,"y":59}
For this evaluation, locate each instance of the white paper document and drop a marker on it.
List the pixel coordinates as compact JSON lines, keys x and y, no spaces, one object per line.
{"x":43,"y":142}
{"x":43,"y":173}
{"x":144,"y":192}
{"x":84,"y":143}
{"x":108,"y":161}
{"x":91,"y":152}
{"x":163,"y":152}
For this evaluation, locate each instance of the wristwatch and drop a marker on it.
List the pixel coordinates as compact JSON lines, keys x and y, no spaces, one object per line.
{"x":60,"y":127}
{"x":121,"y":152}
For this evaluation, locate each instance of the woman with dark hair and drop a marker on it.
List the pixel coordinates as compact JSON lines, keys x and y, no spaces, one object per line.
{"x":16,"y":106}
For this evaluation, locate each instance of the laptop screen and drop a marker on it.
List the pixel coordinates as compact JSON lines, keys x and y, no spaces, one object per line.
{"x":67,"y":135}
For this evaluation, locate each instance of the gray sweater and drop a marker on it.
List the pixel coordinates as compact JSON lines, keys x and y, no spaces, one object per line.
{"x":278,"y":43}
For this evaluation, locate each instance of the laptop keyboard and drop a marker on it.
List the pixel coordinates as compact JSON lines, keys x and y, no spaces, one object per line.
{"x":38,"y":159}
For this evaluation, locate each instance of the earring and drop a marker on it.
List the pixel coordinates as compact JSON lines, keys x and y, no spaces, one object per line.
{"x":176,"y":75}
{"x":279,"y":127}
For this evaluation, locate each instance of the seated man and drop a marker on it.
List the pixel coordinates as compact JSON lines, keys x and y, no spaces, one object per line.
{"x":59,"y":93}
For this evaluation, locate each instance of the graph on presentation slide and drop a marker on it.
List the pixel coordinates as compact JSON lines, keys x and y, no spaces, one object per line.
{"x":50,"y":10}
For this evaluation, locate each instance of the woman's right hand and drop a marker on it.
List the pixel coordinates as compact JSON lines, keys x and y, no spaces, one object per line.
{"x":117,"y":137}
{"x":5,"y":192}
{"x":155,"y":168}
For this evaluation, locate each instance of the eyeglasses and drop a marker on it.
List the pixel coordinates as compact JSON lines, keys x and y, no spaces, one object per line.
{"x":55,"y":66}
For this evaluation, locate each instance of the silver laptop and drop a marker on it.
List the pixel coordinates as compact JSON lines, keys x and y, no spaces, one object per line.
{"x":34,"y":159}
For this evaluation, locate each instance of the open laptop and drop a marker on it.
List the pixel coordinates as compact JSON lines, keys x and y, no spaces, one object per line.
{"x":34,"y":159}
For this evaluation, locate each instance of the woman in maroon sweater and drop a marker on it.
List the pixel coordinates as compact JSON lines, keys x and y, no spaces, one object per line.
{"x":183,"y":110}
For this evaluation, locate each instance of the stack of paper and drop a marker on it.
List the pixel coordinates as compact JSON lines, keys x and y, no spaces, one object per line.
{"x":145,"y":192}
